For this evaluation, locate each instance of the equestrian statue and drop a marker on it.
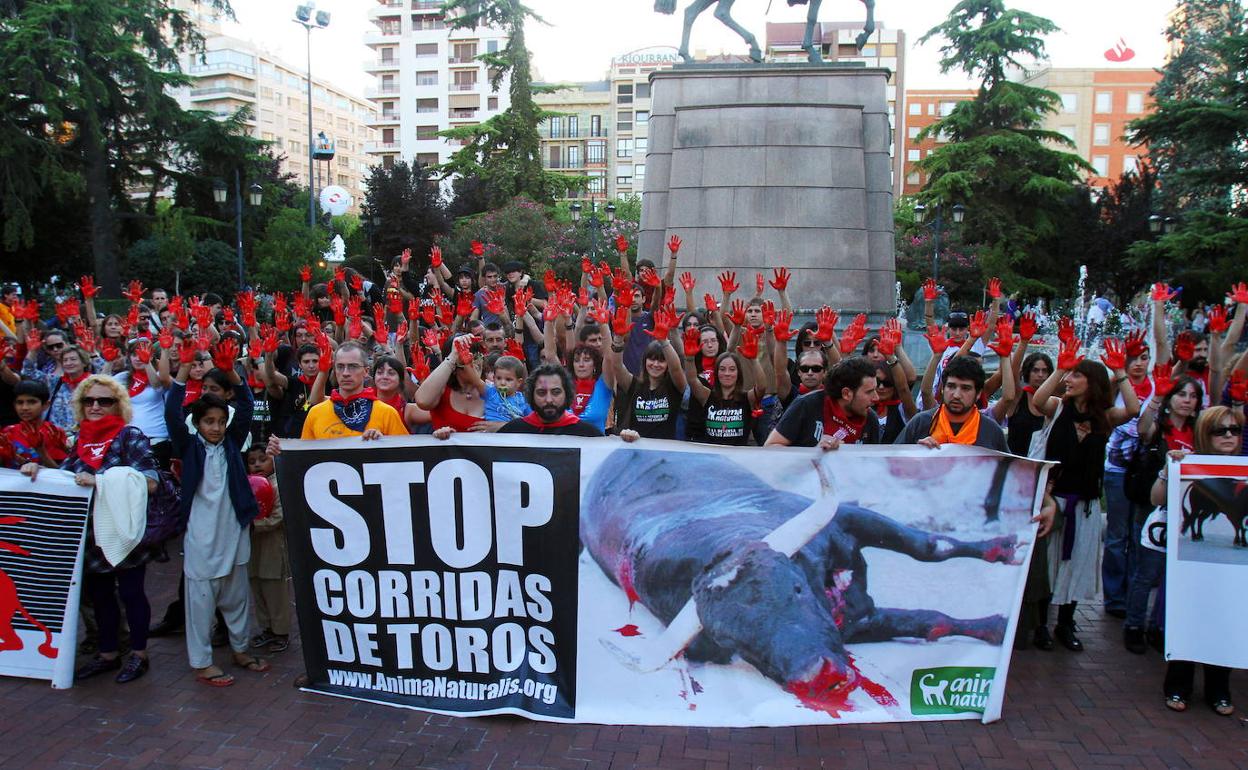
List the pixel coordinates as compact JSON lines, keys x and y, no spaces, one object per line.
{"x":723,"y":12}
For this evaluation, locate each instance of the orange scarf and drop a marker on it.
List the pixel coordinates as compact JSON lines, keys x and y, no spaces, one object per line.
{"x":942,"y":431}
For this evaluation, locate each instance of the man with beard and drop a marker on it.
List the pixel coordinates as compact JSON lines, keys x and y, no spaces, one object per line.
{"x":957,"y":420}
{"x":838,"y":413}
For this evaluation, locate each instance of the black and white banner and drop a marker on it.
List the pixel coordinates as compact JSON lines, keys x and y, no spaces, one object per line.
{"x":42,"y":527}
{"x":1207,"y":561}
{"x":659,"y":582}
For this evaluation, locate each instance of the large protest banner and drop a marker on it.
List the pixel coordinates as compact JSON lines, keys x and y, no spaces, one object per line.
{"x":42,"y":528}
{"x":659,"y":582}
{"x":1207,"y":560}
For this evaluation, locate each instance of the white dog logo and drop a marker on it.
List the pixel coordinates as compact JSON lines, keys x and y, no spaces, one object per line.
{"x":933,"y":695}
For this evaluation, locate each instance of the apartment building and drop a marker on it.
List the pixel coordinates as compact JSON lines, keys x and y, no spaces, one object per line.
{"x":428,"y":80}
{"x":1096,"y":106}
{"x":233,"y":73}
{"x":574,"y":142}
{"x":886,"y":48}
{"x":923,"y":108}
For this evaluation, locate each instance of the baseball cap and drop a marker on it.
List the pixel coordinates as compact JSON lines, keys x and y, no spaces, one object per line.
{"x":957,"y":319}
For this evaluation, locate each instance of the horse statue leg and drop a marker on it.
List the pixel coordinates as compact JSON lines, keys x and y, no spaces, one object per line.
{"x":694,"y":10}
{"x":814,"y":53}
{"x":723,"y":12}
{"x":869,"y":27}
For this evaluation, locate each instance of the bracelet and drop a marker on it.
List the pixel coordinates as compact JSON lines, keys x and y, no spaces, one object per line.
{"x":1120,"y":380}
{"x":620,"y":349}
{"x":891,"y":363}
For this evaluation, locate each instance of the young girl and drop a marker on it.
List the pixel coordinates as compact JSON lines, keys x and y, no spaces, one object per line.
{"x":269,"y":568}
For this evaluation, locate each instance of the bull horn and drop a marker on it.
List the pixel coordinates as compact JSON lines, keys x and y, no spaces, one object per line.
{"x":788,"y":538}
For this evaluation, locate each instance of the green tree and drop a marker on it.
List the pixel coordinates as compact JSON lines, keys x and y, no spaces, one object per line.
{"x":87,"y":108}
{"x":504,"y":152}
{"x":998,"y":161}
{"x":287,"y":245}
{"x":1192,"y":81}
{"x":408,"y":207}
{"x":1100,"y":228}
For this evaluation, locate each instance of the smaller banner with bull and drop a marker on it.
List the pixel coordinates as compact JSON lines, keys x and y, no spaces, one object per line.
{"x":1206,"y":541}
{"x":659,"y":582}
{"x":42,"y":528}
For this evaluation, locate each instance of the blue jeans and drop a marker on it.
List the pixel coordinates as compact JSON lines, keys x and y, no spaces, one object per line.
{"x":1120,"y":549}
{"x":1150,"y":568}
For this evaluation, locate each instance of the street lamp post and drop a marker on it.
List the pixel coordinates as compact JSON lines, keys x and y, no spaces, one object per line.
{"x":304,"y":14}
{"x":1159,"y":224}
{"x":594,"y":223}
{"x":937,"y":226}
{"x":255,"y":196}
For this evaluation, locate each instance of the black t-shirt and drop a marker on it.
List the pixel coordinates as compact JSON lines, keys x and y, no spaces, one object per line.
{"x":728,"y":423}
{"x":802,"y":422}
{"x":652,"y":413}
{"x":578,"y":428}
{"x":295,"y":407}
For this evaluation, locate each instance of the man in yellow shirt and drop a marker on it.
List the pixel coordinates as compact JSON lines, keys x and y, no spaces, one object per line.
{"x":351,"y":409}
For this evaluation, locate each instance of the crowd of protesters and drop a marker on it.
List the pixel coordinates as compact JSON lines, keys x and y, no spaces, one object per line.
{"x":200,"y":392}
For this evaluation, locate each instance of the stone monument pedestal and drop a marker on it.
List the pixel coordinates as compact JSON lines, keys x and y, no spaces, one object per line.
{"x":760,"y":166}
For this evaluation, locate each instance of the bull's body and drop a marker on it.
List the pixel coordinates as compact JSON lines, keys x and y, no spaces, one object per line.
{"x":1206,"y":498}
{"x":691,"y":526}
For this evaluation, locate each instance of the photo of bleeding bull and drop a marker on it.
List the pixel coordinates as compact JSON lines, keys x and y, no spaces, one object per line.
{"x":697,"y":541}
{"x":1215,"y":521}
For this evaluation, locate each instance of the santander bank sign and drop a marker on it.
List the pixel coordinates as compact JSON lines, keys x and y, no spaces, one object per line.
{"x":1119,"y":52}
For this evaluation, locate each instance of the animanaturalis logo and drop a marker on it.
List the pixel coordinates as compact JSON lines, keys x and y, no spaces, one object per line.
{"x":950,"y":690}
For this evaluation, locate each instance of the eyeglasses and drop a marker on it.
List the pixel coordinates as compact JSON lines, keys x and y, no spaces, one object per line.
{"x":809,"y":369}
{"x":811,"y":342}
{"x":884,"y":383}
{"x":1227,"y":430}
{"x":105,"y":402}
{"x":54,"y":346}
{"x":348,"y":367}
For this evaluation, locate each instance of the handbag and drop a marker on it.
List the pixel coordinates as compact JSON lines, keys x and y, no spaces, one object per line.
{"x":165,"y":519}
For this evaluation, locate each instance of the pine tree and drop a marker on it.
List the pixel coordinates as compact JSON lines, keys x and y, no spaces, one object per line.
{"x":410,"y":209}
{"x":996,"y":162}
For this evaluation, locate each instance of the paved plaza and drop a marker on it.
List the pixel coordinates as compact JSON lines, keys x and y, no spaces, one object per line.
{"x":1102,"y":708}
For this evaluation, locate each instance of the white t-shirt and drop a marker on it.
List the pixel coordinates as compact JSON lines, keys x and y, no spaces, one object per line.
{"x":149,"y":410}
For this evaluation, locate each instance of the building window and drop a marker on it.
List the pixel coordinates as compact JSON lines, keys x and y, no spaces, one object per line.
{"x":624,"y":175}
{"x":427,"y":78}
{"x":574,"y":157}
{"x":424,"y":50}
{"x":573,"y":126}
{"x":1070,"y":102}
{"x":463,"y":53}
{"x":913,"y":178}
{"x":1135,"y":103}
{"x":624,"y":120}
{"x":1067,"y":131}
{"x":597,"y":183}
{"x":946,"y":108}
{"x":643,"y":117}
{"x":639,"y":173}
{"x":912,"y":155}
{"x":624,"y":93}
{"x":642,"y":90}
{"x":1130,"y":164}
{"x":596,"y":152}
{"x":427,"y":158}
{"x":595,"y":125}
{"x":639,"y":145}
{"x":913,"y":132}
{"x":1104,"y":101}
{"x":426,"y":132}
{"x":491,"y":46}
{"x":1100,"y":134}
{"x":1101,"y":164}
{"x":425,"y":105}
{"x":556,"y":127}
{"x":491,"y":103}
{"x":931,"y":108}
{"x":623,"y":148}
{"x":916,"y":108}
{"x":465,"y":80}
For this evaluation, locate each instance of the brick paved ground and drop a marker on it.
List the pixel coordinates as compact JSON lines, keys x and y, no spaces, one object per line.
{"x":1100,"y":708}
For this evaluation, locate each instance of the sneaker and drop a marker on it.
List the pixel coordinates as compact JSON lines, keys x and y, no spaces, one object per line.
{"x":135,"y":667}
{"x":279,"y":643}
{"x":263,"y":639}
{"x":1133,"y":640}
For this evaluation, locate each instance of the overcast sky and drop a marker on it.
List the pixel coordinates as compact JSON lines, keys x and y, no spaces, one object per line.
{"x":583,"y":35}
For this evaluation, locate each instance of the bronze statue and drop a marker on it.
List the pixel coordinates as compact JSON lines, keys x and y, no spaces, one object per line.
{"x":723,"y":12}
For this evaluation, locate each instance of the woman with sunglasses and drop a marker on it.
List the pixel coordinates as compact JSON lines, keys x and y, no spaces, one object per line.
{"x":1218,"y":432}
{"x":74,"y":366}
{"x":105,"y":440}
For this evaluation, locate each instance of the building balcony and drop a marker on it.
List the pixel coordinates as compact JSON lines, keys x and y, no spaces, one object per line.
{"x":383,"y":36}
{"x":565,"y":135}
{"x":596,"y":163}
{"x":382,"y":65}
{"x":463,"y":86}
{"x":219,"y":92}
{"x":462,"y":114}
{"x":389,"y":9}
{"x":563,"y":164}
{"x":376,"y":147}
{"x":383,"y":118}
{"x":462,"y":60}
{"x":426,"y":5}
{"x":377,"y":92}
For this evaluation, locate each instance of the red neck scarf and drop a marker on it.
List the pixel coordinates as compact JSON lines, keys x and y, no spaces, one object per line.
{"x":194,"y":389}
{"x":882,"y":406}
{"x":584,"y":390}
{"x":1143,"y":389}
{"x":367,"y":393}
{"x":95,"y":437}
{"x":567,"y":419}
{"x":707,"y":366}
{"x":306,"y":380}
{"x":138,"y":382}
{"x":73,"y":382}
{"x":837,"y":423}
{"x":397,"y":401}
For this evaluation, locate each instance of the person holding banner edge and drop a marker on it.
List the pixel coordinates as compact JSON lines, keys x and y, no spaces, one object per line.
{"x":1218,"y":432}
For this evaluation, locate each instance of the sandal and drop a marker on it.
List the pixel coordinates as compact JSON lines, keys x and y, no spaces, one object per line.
{"x":1223,"y":707}
{"x":221,"y":679}
{"x":251,"y":663}
{"x":1176,"y":703}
